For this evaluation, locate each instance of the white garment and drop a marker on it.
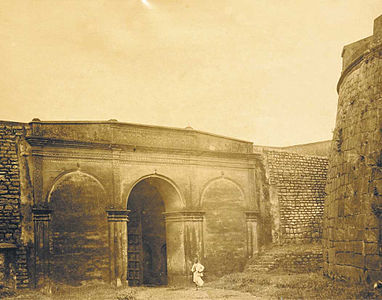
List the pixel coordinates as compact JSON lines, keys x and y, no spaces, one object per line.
{"x":197,"y":270}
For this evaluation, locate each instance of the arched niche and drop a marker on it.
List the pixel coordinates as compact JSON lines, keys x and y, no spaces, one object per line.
{"x":79,"y":244}
{"x":224,"y":227}
{"x":63,"y":176}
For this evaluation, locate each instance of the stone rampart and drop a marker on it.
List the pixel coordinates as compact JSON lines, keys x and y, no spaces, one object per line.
{"x":297,"y":188}
{"x":12,"y":251}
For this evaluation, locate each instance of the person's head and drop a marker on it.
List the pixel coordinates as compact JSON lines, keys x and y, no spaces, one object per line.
{"x":196,"y":260}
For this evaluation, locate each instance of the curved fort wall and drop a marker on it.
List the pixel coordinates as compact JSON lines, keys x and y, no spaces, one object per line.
{"x":352,"y":225}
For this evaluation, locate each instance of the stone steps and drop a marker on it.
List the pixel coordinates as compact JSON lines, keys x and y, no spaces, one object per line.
{"x":263,"y":263}
{"x":288,"y":260}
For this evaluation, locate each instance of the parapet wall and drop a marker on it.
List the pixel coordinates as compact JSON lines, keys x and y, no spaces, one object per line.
{"x":354,"y":53}
{"x":125,"y":135}
{"x":352,"y":224}
{"x":297,"y":191}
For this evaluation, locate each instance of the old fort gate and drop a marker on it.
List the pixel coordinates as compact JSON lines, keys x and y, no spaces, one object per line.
{"x":124,"y":202}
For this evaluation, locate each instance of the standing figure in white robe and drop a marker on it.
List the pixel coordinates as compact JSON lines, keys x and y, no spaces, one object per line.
{"x":197,"y":270}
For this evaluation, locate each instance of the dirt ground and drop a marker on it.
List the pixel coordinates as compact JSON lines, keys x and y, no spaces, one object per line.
{"x":141,"y":293}
{"x":243,"y":286}
{"x":191,"y":293}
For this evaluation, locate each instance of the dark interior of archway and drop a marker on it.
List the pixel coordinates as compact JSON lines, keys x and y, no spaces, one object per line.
{"x":146,"y":236}
{"x":79,"y":231}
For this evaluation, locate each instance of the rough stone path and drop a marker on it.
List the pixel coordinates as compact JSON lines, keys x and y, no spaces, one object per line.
{"x":191,"y":293}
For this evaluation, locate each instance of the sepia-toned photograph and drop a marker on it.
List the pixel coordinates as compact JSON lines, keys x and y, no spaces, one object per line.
{"x":190,"y":149}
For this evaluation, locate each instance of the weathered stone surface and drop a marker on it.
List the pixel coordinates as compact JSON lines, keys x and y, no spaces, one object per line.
{"x":10,"y":227}
{"x":353,"y":204}
{"x":299,"y":181}
{"x":79,"y":231}
{"x":224,"y":225}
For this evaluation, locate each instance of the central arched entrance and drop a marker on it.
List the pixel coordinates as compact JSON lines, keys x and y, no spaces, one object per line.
{"x":147,"y":246}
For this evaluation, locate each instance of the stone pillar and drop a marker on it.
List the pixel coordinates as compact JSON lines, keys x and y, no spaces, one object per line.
{"x":117,"y":223}
{"x":251,"y":224}
{"x":184,"y":238}
{"x":42,"y":250}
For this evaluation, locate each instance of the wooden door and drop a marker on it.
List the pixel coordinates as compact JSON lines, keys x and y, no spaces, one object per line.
{"x":135,"y":251}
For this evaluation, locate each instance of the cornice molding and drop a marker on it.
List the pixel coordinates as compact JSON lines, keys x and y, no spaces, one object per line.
{"x":117,"y":215}
{"x":41,"y":214}
{"x":96,"y":155}
{"x":184,"y":216}
{"x":252,"y":215}
{"x":357,"y":62}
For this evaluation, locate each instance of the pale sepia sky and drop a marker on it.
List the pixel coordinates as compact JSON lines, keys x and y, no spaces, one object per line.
{"x":260,"y":70}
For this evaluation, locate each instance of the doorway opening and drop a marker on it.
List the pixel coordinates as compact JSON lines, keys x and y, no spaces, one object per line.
{"x":147,"y":249}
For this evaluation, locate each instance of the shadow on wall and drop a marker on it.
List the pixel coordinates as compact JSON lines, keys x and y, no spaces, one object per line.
{"x":7,"y":267}
{"x":224,"y":227}
{"x":79,"y":231}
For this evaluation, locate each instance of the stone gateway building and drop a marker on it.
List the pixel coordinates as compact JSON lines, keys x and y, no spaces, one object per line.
{"x":185,"y":193}
{"x":352,"y":231}
{"x":127,"y":203}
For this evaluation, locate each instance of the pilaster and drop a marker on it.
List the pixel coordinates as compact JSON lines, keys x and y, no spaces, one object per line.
{"x":117,"y":223}
{"x":42,"y":250}
{"x":37,"y":179}
{"x":116,"y":176}
{"x":251,"y":218}
{"x":184,"y":234}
